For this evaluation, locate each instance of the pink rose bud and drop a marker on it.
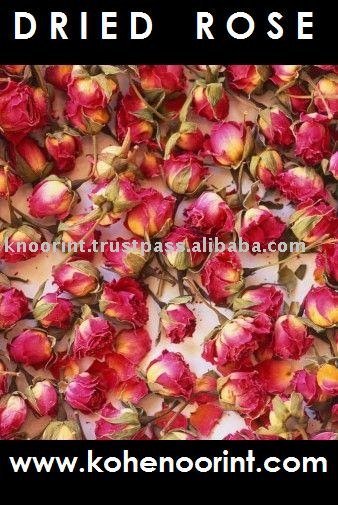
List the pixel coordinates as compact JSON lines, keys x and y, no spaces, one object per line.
{"x":210,"y":215}
{"x":85,"y":393}
{"x":168,"y":78}
{"x":73,"y":230}
{"x":59,"y":76}
{"x":9,"y":183}
{"x":62,"y":430}
{"x":275,"y":375}
{"x":230,"y":143}
{"x":32,"y":347}
{"x":325,"y":95}
{"x":117,"y":423}
{"x":191,"y":138}
{"x":93,"y":337}
{"x":266,"y":166}
{"x":243,"y":392}
{"x":305,"y":383}
{"x":327,"y":379}
{"x":205,"y":418}
{"x":30,"y":160}
{"x":266,"y":299}
{"x":284,"y":74}
{"x":4,"y":376}
{"x":22,"y":109}
{"x":127,"y":261}
{"x":291,"y":339}
{"x":247,"y":78}
{"x":186,"y":248}
{"x":133,"y":344}
{"x":91,"y":92}
{"x":131,"y":391}
{"x":53,"y":311}
{"x":184,"y":174}
{"x":211,"y":102}
{"x":87,"y":120}
{"x":43,"y":398}
{"x":312,"y":139}
{"x":79,"y":277}
{"x":153,"y":217}
{"x":64,"y":149}
{"x":296,"y":98}
{"x":205,"y":390}
{"x":333,"y":165}
{"x":312,"y":221}
{"x":327,"y":264}
{"x":13,"y":413}
{"x":222,"y":276}
{"x":260,"y":226}
{"x":299,"y":184}
{"x":23,"y":243}
{"x":178,"y":322}
{"x":13,"y":70}
{"x":13,"y":306}
{"x":126,"y":118}
{"x":151,"y":165}
{"x":321,"y":306}
{"x":170,"y":376}
{"x":52,"y":197}
{"x":237,"y":339}
{"x":276,"y":127}
{"x":125,"y":300}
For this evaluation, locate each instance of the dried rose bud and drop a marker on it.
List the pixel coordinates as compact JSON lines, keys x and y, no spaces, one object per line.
{"x":286,"y":417}
{"x":131,"y":391}
{"x":205,"y":418}
{"x":222,"y":276}
{"x":325,"y":95}
{"x":117,"y":423}
{"x":13,"y":306}
{"x":327,"y":264}
{"x":299,"y":184}
{"x":30,"y":160}
{"x":64,"y":149}
{"x":284,"y":74}
{"x":321,"y":306}
{"x":260,"y":226}
{"x":13,"y":413}
{"x":327,"y":379}
{"x":170,"y":376}
{"x":79,"y":277}
{"x":247,"y":78}
{"x":32,"y":347}
{"x":184,"y":173}
{"x":93,"y":337}
{"x":275,"y":375}
{"x":133,"y":344}
{"x":73,"y":230}
{"x":168,"y":78}
{"x":43,"y":398}
{"x":86,"y":120}
{"x":52,"y":197}
{"x":276,"y":127}
{"x":4,"y":376}
{"x":230,"y":143}
{"x":52,"y":310}
{"x":183,"y":248}
{"x":9,"y":183}
{"x":266,"y":299}
{"x":129,"y":116}
{"x":211,"y":102}
{"x":91,"y":92}
{"x":205,"y":390}
{"x":266,"y":166}
{"x":210,"y":215}
{"x":23,"y":243}
{"x":312,"y":139}
{"x":293,"y":98}
{"x":85,"y":393}
{"x":62,"y":430}
{"x":13,"y":70}
{"x":127,"y":261}
{"x":191,"y":138}
{"x":59,"y":76}
{"x":178,"y":322}
{"x":125,"y":300}
{"x":312,"y":221}
{"x":333,"y":165}
{"x":291,"y":339}
{"x":151,"y":165}
{"x":305,"y":383}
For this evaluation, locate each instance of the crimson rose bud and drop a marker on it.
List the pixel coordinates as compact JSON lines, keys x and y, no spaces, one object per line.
{"x":133,"y":344}
{"x":299,"y":184}
{"x":222,"y":276}
{"x":327,"y":263}
{"x":117,"y":423}
{"x":93,"y":337}
{"x":247,"y":78}
{"x":43,"y":397}
{"x":178,"y":322}
{"x":295,"y":98}
{"x":32,"y":347}
{"x":183,"y":248}
{"x":79,"y":277}
{"x":4,"y":382}
{"x":64,"y":149}
{"x":211,"y":102}
{"x":30,"y":160}
{"x":266,"y":166}
{"x":313,"y":139}
{"x":52,"y":197}
{"x":259,"y":225}
{"x":266,"y":299}
{"x":9,"y":183}
{"x":291,"y":339}
{"x":230,"y":143}
{"x":284,"y":74}
{"x":312,"y":221}
{"x":126,"y":261}
{"x":168,"y":78}
{"x":59,"y":76}
{"x":51,"y":310}
{"x":73,"y":230}
{"x":13,"y":306}
{"x":127,"y":118}
{"x":13,"y":413}
{"x":275,"y":126}
{"x":275,"y":375}
{"x":19,"y":243}
{"x":210,"y":215}
{"x":321,"y":306}
{"x":87,"y":120}
{"x":191,"y":138}
{"x":305,"y":383}
{"x":184,"y":173}
{"x":85,"y":393}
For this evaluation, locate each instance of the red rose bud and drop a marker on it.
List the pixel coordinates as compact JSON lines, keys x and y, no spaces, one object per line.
{"x":293,"y":98}
{"x":117,"y":423}
{"x":237,"y":340}
{"x":43,"y":398}
{"x":222,"y":276}
{"x":53,"y":311}
{"x":153,"y":217}
{"x":52,"y":197}
{"x":131,"y":111}
{"x":327,"y":264}
{"x":64,"y":149}
{"x":184,"y":174}
{"x":4,"y":379}
{"x":259,"y":225}
{"x":22,"y":109}
{"x":266,"y":166}
{"x":114,"y":369}
{"x":91,"y":92}
{"x":305,"y":383}
{"x":327,"y":379}
{"x":275,"y":375}
{"x":13,"y":413}
{"x":151,"y":165}
{"x":205,"y":418}
{"x":127,"y":262}
{"x":168,"y":78}
{"x":13,"y":306}
{"x":62,"y":430}
{"x":291,"y":339}
{"x":86,"y":120}
{"x":9,"y":183}
{"x":276,"y":127}
{"x":170,"y":376}
{"x":32,"y":347}
{"x":247,"y":78}
{"x":73,"y":230}
{"x":178,"y":322}
{"x":312,"y":221}
{"x":211,"y":102}
{"x":312,"y":139}
{"x":299,"y":184}
{"x":325,"y":95}
{"x":30,"y":160}
{"x":85,"y":393}
{"x":284,"y":74}
{"x":133,"y":344}
{"x":205,"y":390}
{"x":131,"y":391}
{"x":333,"y":165}
{"x":79,"y":277}
{"x":183,"y":248}
{"x":59,"y":76}
{"x":321,"y":306}
{"x":210,"y":215}
{"x":13,"y":70}
{"x":266,"y":299}
{"x":243,"y":392}
{"x":191,"y":138}
{"x":19,"y":243}
{"x":230,"y":143}
{"x":125,"y":300}
{"x":172,"y":105}
{"x":93,"y":337}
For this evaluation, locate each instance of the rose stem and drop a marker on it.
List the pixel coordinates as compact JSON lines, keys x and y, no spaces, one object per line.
{"x":152,"y":109}
{"x":174,"y":417}
{"x":196,"y":291}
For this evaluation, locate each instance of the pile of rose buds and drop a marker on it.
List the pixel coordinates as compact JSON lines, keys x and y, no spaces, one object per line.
{"x":80,"y":350}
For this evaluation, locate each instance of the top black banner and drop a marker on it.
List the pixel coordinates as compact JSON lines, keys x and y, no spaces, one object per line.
{"x":172,"y":31}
